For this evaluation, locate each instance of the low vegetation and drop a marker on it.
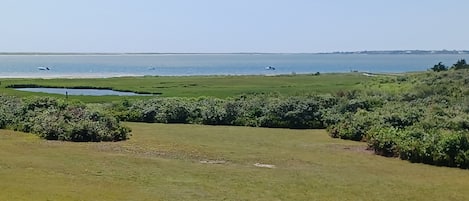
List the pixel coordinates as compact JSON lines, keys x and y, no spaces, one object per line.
{"x":192,"y":162}
{"x":460,"y":64}
{"x":56,"y":119}
{"x":417,"y":117}
{"x":194,"y":86}
{"x":421,"y":117}
{"x":274,"y":111}
{"x":427,"y":123}
{"x":425,"y":118}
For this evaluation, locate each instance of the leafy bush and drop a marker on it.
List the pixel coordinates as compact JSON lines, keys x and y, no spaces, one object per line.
{"x":418,"y":145}
{"x":293,"y":112}
{"x":212,"y":111}
{"x":55,"y":119}
{"x":439,"y":67}
{"x":8,"y":110}
{"x":384,"y":140}
{"x":247,"y":110}
{"x":460,"y":64}
{"x":426,"y":123}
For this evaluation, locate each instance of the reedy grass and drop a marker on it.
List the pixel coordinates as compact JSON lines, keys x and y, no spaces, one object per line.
{"x":196,"y":86}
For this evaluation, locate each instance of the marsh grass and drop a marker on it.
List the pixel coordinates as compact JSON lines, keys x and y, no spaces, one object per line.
{"x":165,"y":162}
{"x":196,"y":86}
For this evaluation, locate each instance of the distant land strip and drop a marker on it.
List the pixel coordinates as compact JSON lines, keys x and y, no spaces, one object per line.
{"x":160,"y":53}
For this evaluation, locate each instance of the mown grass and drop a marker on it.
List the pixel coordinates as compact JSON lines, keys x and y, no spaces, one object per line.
{"x":163,"y":162}
{"x":196,"y":86}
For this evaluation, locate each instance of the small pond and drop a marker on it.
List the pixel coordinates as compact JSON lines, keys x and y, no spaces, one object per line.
{"x":83,"y":92}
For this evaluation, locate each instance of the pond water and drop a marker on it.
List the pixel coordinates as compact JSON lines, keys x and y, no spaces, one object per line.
{"x":83,"y":92}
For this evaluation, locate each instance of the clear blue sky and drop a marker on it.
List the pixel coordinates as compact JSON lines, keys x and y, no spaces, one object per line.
{"x":232,"y":25}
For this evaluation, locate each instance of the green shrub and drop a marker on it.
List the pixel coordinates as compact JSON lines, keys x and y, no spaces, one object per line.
{"x":55,"y":119}
{"x":418,"y":145}
{"x":452,"y":150}
{"x":384,"y":140}
{"x":249,"y":110}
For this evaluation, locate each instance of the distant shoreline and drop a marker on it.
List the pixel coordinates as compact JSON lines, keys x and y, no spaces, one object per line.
{"x":67,"y":76}
{"x":106,"y":65}
{"x":410,"y":52}
{"x":100,"y":76}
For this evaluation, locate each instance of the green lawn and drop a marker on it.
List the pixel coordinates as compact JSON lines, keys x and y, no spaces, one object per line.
{"x":163,"y":162}
{"x":196,"y":86}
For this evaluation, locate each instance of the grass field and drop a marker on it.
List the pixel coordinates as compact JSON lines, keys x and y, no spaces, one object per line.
{"x":174,"y":162}
{"x":196,"y":86}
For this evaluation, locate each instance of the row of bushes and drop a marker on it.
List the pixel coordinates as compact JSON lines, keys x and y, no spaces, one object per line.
{"x":55,"y":119}
{"x":253,"y":110}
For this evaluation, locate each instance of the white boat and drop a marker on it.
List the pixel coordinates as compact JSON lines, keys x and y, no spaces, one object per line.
{"x":269,"y":68}
{"x":43,"y":68}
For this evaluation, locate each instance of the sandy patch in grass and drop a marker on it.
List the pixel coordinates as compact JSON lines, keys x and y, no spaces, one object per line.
{"x":264,"y":165}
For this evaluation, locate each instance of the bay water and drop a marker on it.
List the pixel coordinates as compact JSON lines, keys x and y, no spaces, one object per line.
{"x":26,"y":66}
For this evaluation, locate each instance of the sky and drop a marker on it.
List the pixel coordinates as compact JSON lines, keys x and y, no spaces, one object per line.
{"x":227,"y":26}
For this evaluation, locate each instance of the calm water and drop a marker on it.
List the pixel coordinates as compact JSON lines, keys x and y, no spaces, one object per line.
{"x":87,"y":92}
{"x":214,"y":64}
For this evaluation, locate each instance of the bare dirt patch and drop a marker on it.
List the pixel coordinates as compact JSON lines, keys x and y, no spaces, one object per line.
{"x":264,"y":165}
{"x":213,"y":162}
{"x":351,"y":148}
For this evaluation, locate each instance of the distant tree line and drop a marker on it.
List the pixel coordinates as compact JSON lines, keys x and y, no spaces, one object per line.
{"x":460,"y":64}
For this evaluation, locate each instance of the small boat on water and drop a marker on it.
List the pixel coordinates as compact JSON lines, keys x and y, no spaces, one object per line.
{"x":269,"y":68}
{"x":43,"y":68}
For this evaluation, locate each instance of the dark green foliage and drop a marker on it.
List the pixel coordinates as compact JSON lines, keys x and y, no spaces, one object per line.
{"x":2,"y":122}
{"x":212,"y":111}
{"x":429,"y":123}
{"x":251,"y":110}
{"x":55,"y":119}
{"x":9,"y":109}
{"x":439,"y":67}
{"x":353,"y":127}
{"x":97,"y":127}
{"x":174,"y":111}
{"x":418,"y":145}
{"x":384,"y":140}
{"x":401,"y":115}
{"x":293,"y":112}
{"x":460,"y":64}
{"x":353,"y":105}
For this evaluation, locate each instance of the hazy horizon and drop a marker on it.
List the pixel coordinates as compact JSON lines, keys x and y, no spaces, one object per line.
{"x":242,"y":26}
{"x":44,"y":52}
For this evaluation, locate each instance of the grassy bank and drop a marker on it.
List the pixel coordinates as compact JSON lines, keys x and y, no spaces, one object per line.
{"x":195,"y":86}
{"x":174,"y":162}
